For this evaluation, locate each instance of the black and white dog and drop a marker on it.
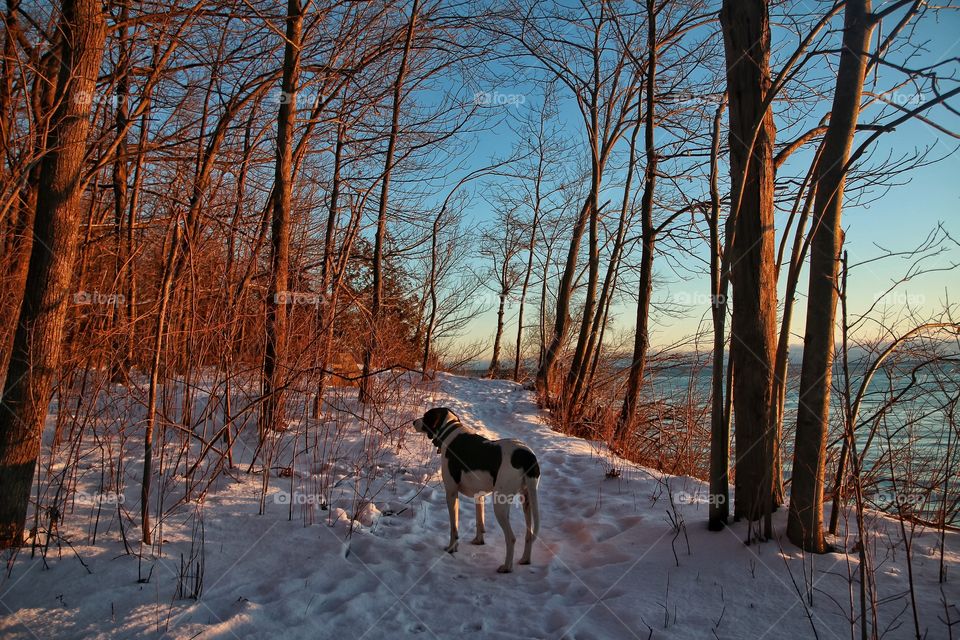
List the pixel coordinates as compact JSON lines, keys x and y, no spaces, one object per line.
{"x":475,"y":466}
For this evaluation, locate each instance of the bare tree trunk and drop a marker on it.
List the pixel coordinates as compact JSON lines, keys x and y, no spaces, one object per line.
{"x":495,"y":359}
{"x":18,"y":240}
{"x":130,"y":284}
{"x":11,"y":29}
{"x":326,"y":310}
{"x":641,"y":343}
{"x":542,"y":351}
{"x":782,"y":360}
{"x":38,"y":340}
{"x":805,"y":522}
{"x":121,"y":172}
{"x":375,"y":307}
{"x":593,"y":276}
{"x":432,"y":295}
{"x":746,"y":31}
{"x":719,"y":503}
{"x":582,"y":383}
{"x":272,"y":409}
{"x":537,"y":201}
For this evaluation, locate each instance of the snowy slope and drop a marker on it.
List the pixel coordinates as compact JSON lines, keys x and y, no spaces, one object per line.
{"x":606,"y":565}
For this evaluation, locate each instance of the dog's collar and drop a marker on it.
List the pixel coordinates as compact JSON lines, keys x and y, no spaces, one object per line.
{"x":448,"y":427}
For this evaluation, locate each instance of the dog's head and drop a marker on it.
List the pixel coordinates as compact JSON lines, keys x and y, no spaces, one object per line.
{"x":433,"y":420}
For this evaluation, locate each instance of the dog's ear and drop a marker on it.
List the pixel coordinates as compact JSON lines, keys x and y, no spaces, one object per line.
{"x":433,"y":418}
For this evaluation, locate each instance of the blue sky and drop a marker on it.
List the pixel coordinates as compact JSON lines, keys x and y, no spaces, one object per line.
{"x":898,"y":220}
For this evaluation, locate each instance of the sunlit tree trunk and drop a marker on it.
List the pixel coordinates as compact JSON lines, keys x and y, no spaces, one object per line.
{"x":272,"y":409}
{"x":805,"y":521}
{"x":18,"y":235}
{"x":746,"y":32}
{"x":38,"y":341}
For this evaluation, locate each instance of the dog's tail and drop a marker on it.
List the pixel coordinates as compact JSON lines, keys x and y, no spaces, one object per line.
{"x":530,"y":485}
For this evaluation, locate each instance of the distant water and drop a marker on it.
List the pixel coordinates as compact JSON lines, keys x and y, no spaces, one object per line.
{"x":910,"y":445}
{"x":903,"y":424}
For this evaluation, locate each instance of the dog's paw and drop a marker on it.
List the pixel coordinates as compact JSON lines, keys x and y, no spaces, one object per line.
{"x":477,"y":541}
{"x":451,"y":548}
{"x":504,"y":569}
{"x":524,"y":561}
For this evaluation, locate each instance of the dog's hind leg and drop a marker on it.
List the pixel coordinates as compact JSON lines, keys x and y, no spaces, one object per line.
{"x":480,"y":530}
{"x":501,"y":509}
{"x":453,"y":507}
{"x":531,"y":511}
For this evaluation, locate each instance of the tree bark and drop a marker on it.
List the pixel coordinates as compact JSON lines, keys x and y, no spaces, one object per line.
{"x":641,"y":342}
{"x":564,"y":293}
{"x":746,"y":31}
{"x":120,"y":178}
{"x":272,"y":409}
{"x":805,"y":521}
{"x":719,"y":503}
{"x":495,"y":359}
{"x":18,"y":238}
{"x":38,"y":341}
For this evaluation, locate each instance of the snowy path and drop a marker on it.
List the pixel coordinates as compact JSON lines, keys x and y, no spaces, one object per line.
{"x":604,"y":567}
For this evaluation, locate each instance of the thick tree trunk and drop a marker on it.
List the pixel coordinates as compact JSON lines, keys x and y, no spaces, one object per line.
{"x":38,"y":340}
{"x":746,"y":31}
{"x":272,"y":409}
{"x":18,"y":238}
{"x":805,"y":522}
{"x":377,"y":303}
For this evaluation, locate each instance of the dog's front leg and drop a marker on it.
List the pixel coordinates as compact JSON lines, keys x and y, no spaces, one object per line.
{"x":453,"y":507}
{"x":480,"y":530}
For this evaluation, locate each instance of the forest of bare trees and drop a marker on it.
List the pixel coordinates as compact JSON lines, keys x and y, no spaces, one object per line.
{"x":285,"y":197}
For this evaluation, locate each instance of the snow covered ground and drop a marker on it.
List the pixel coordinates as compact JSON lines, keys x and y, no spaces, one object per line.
{"x":615,"y":559}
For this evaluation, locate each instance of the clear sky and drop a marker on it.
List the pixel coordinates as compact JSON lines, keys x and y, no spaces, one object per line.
{"x":898,"y":219}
